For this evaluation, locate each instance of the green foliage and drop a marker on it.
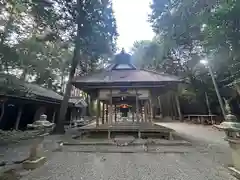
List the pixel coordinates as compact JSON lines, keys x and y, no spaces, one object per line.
{"x":37,"y":38}
{"x":187,"y":31}
{"x":191,"y":30}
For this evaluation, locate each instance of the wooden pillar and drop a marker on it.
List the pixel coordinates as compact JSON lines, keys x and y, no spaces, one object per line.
{"x":150,"y":109}
{"x":98,"y":112}
{"x":71,"y":119}
{"x":19,"y":115}
{"x":141,"y":113}
{"x":110,"y":108}
{"x":107,"y":113}
{"x":132,"y":115}
{"x":145,"y":111}
{"x":54,"y":115}
{"x":175,"y":112}
{"x":103,"y":113}
{"x":160,"y":106}
{"x":137,"y":106}
{"x":178,"y":108}
{"x":115,"y":113}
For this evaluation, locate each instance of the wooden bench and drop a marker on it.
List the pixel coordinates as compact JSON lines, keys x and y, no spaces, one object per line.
{"x":201,"y":119}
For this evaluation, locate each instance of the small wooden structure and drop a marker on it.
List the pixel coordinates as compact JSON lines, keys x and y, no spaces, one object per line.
{"x":123,"y":83}
{"x":201,"y":119}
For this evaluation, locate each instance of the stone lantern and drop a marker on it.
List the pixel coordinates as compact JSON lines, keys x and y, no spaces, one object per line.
{"x":231,"y":127}
{"x":42,"y":124}
{"x":36,"y":156}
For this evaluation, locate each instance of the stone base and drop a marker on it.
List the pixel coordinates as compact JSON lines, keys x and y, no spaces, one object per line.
{"x":29,"y":165}
{"x":234,"y":172}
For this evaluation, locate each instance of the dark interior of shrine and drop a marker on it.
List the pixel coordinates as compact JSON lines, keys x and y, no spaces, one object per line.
{"x":129,"y":100}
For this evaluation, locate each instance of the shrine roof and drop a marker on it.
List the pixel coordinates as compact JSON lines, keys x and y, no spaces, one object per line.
{"x":11,"y":86}
{"x":121,"y":76}
{"x":123,"y":72}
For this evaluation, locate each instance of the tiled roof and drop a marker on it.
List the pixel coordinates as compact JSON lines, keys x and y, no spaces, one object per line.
{"x":137,"y":75}
{"x":78,"y":102}
{"x":11,"y":85}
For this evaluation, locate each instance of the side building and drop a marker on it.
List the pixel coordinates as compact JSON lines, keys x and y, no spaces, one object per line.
{"x":22,"y":103}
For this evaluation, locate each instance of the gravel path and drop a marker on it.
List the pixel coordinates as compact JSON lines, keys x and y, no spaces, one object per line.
{"x":134,"y":166}
{"x":204,"y":138}
{"x":203,"y":161}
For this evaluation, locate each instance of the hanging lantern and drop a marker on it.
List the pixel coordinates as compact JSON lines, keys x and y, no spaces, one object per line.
{"x":124,"y":106}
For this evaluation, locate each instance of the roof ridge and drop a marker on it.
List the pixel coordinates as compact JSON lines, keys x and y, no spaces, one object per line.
{"x":22,"y":82}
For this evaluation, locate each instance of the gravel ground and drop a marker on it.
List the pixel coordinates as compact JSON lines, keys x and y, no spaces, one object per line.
{"x":204,"y":138}
{"x":204,"y":161}
{"x":20,"y":150}
{"x":134,"y":166}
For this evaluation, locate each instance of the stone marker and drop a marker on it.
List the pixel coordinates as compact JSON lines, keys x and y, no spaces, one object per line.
{"x":232,"y":129}
{"x":36,"y":156}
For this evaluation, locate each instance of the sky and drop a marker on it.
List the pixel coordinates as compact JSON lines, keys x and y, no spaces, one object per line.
{"x":131,"y":17}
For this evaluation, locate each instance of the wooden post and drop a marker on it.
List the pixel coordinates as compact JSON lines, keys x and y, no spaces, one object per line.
{"x":137,"y":106}
{"x":141,"y":113}
{"x":71,"y":119}
{"x":115,"y":112}
{"x":150,"y":109}
{"x":103,"y":113}
{"x":132,"y":115}
{"x":98,"y":112}
{"x":145,"y":111}
{"x":107,"y":113}
{"x":110,"y":108}
{"x":178,"y":108}
{"x":160,"y":106}
{"x":54,"y":115}
{"x":19,"y":115}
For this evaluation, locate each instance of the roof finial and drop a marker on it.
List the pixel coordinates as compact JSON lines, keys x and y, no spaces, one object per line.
{"x":123,"y":50}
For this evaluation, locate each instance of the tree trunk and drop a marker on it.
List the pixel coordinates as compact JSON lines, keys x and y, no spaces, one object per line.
{"x":59,"y":128}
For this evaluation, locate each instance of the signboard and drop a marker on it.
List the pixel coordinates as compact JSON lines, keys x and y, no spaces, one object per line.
{"x":123,"y":89}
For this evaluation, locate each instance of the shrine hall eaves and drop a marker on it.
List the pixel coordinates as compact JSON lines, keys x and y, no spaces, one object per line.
{"x":136,"y":75}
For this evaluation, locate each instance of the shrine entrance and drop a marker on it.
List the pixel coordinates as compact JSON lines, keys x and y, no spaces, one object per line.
{"x":125,"y":105}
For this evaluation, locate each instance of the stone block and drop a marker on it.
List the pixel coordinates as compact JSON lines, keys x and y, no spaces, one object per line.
{"x":33,"y":164}
{"x":234,"y":172}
